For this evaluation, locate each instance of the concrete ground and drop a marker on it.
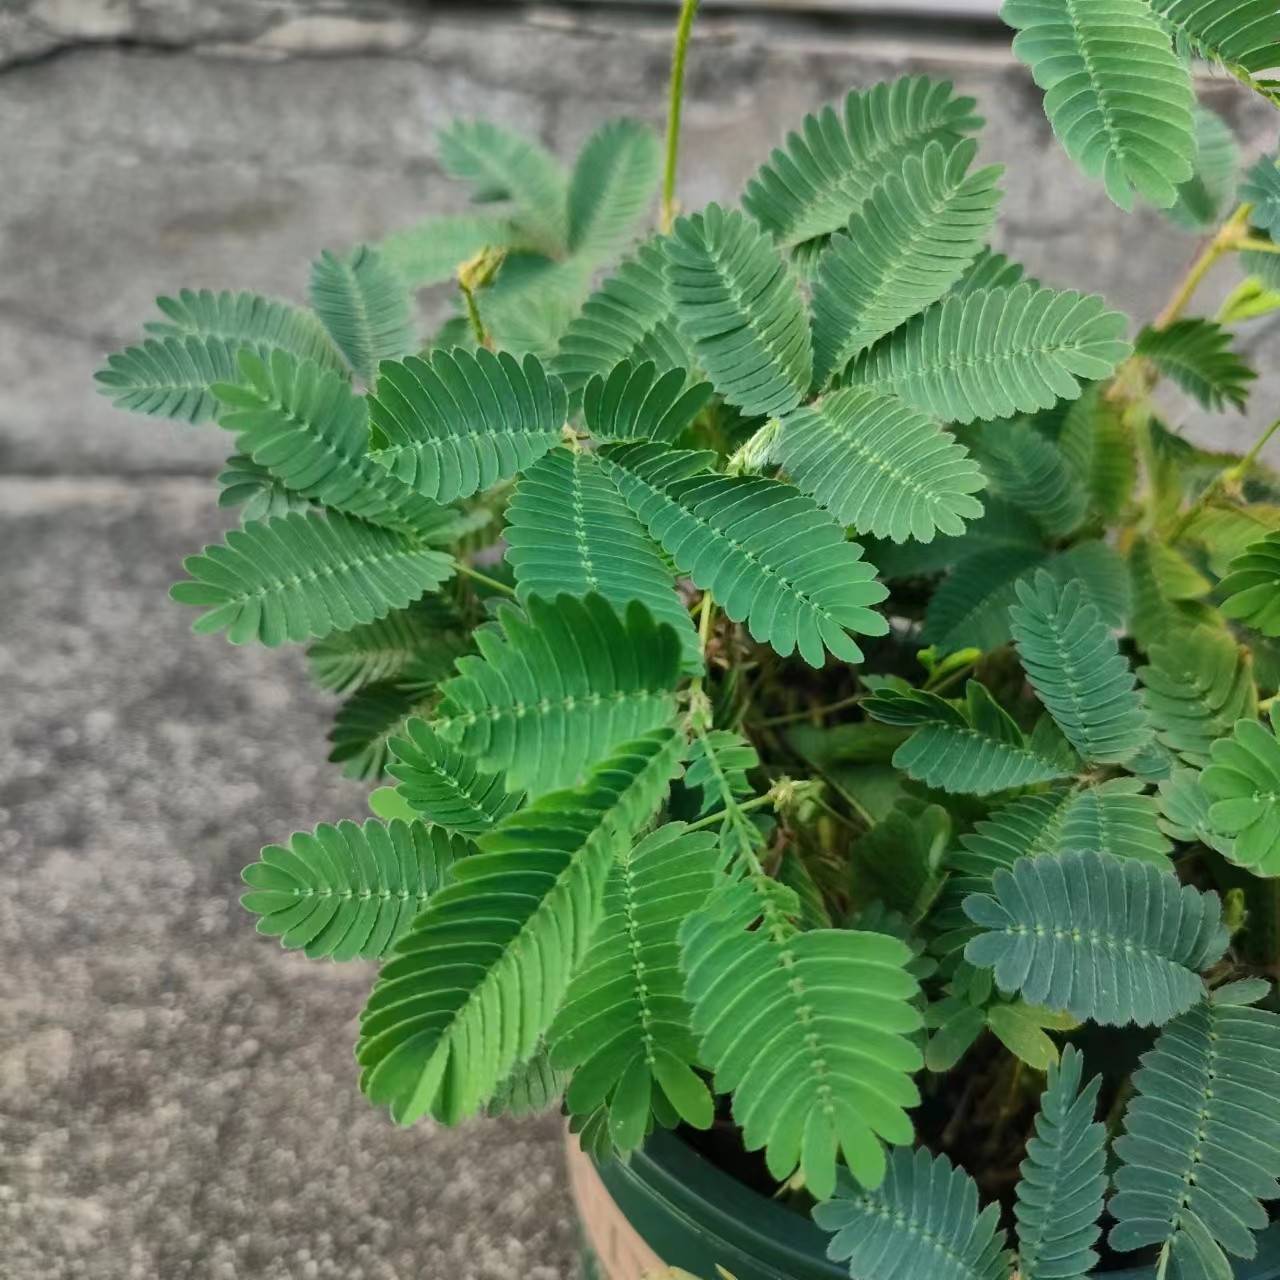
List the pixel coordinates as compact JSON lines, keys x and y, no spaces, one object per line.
{"x":177,"y":1096}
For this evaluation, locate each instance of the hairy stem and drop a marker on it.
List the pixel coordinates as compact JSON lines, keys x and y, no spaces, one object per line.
{"x":1228,"y":237}
{"x":721,"y":814}
{"x":473,"y":316}
{"x":684,"y":27}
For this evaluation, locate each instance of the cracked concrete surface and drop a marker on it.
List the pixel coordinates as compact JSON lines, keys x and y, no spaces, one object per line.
{"x":177,"y":1096}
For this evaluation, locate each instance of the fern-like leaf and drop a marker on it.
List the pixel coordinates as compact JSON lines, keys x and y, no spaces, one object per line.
{"x":1243,"y":785}
{"x":454,"y":423}
{"x":1243,"y":34}
{"x":250,"y":486}
{"x":1108,"y":939}
{"x":444,"y":786}
{"x":717,"y":766}
{"x":1197,"y":355}
{"x":769,"y":555}
{"x":630,"y":318}
{"x":301,"y":577}
{"x":503,"y":166}
{"x":624,"y":1026}
{"x":739,"y":307}
{"x":996,"y":352}
{"x":1201,"y":1144}
{"x":1252,"y":586}
{"x":1033,"y":473}
{"x":817,"y":1066}
{"x":629,"y":404}
{"x":1195,"y":689}
{"x":1075,"y":665}
{"x":989,"y":270}
{"x":311,"y":431}
{"x":880,"y":466}
{"x":475,"y":983}
{"x":1204,"y":199}
{"x":551,"y":694}
{"x":534,"y":1086}
{"x":1261,"y":188}
{"x":903,"y":249}
{"x":169,"y":377}
{"x":840,"y":155}
{"x":366,"y":723}
{"x":924,"y":1220}
{"x":364,"y":305}
{"x":1099,"y":447}
{"x":1116,"y":94}
{"x":613,"y":184}
{"x":1063,"y":1178}
{"x":570,"y":530}
{"x":349,"y":891}
{"x":431,"y":251}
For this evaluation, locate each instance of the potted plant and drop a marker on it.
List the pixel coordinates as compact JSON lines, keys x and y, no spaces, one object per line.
{"x":822,"y":703}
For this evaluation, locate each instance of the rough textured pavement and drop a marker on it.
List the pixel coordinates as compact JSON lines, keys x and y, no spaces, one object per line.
{"x":177,"y":1096}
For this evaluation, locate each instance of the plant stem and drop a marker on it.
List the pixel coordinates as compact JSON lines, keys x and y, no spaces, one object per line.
{"x":473,"y":316}
{"x":684,"y":26}
{"x":1226,"y":239}
{"x":469,"y":572}
{"x":792,"y":716}
{"x":1224,"y":482}
{"x":720,"y":815}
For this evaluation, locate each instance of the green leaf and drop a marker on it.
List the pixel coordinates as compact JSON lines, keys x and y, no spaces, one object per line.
{"x":1116,"y":94}
{"x":364,"y":305}
{"x":475,"y":982}
{"x":533,"y":1087}
{"x":368,"y":720}
{"x":444,"y":786}
{"x":903,"y":249}
{"x":1074,"y":664}
{"x":716,"y":770}
{"x":1243,"y":786}
{"x":1242,"y":34}
{"x":169,"y":377}
{"x":453,"y":424}
{"x":569,"y":529}
{"x":1203,"y":200}
{"x":996,"y":352}
{"x":1108,"y":939}
{"x":976,"y":749}
{"x":843,"y":153}
{"x":625,"y":1012}
{"x":629,"y":319}
{"x":1099,"y":447}
{"x":1063,"y":1179}
{"x":1197,"y":355}
{"x":245,"y":320}
{"x":1261,"y":188}
{"x":1020,"y":1027}
{"x":808,"y":1031}
{"x":1201,"y":1144}
{"x":349,"y":891}
{"x":301,"y":577}
{"x":769,"y":555}
{"x":613,"y":186}
{"x":311,"y":431}
{"x":501,"y":165}
{"x":251,"y":486}
{"x":1184,"y":812}
{"x":923,"y":1221}
{"x":1252,"y":586}
{"x":629,"y":404}
{"x":553,"y":692}
{"x":1196,"y":688}
{"x":431,"y":251}
{"x":989,"y":270}
{"x":1034,"y":474}
{"x":880,"y":466}
{"x":739,"y":307}
{"x":899,"y":861}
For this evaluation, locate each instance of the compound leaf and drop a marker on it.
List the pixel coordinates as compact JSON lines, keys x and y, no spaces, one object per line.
{"x":1252,"y":586}
{"x":1197,"y":355}
{"x":633,"y":403}
{"x":1243,"y":786}
{"x":613,"y":184}
{"x":364,"y":304}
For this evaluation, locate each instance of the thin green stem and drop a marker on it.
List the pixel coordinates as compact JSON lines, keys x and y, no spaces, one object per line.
{"x":1223,"y":241}
{"x":480,"y":333}
{"x":1253,"y":244}
{"x":721,"y":814}
{"x":809,"y":712}
{"x":469,"y":572}
{"x":1225,"y":481}
{"x":684,"y":27}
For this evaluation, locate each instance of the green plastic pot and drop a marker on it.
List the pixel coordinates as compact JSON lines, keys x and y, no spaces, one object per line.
{"x":696,"y":1217}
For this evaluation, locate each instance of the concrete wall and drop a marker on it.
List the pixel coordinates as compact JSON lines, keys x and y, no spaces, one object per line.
{"x":177,"y":1098}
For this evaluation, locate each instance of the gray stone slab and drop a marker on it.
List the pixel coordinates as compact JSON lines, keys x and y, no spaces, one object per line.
{"x":233,"y":140}
{"x":177,"y":1095}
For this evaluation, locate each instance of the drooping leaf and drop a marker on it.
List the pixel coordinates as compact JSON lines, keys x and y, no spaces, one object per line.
{"x":1197,"y":355}
{"x":369,"y":719}
{"x":1108,"y":939}
{"x":817,"y":1068}
{"x":996,"y":352}
{"x":1252,"y":586}
{"x":880,"y":466}
{"x":259,"y":495}
{"x":1201,"y":1144}
{"x":533,"y":1087}
{"x":1073,"y":662}
{"x":739,"y":307}
{"x":903,"y":249}
{"x":554,"y":692}
{"x":301,"y":577}
{"x":1261,"y":188}
{"x":364,"y":304}
{"x":613,"y":184}
{"x":624,"y":1026}
{"x":1034,"y":474}
{"x":349,"y":891}
{"x":1243,"y":786}
{"x":169,"y":377}
{"x":1117,"y":96}
{"x":1098,"y":445}
{"x":431,"y":251}
{"x":569,"y":529}
{"x":924,"y":1220}
{"x":444,"y":786}
{"x":634,"y":403}
{"x":474,"y":984}
{"x":840,"y":155}
{"x":989,"y":270}
{"x":1203,"y":200}
{"x":769,"y":555}
{"x":1063,"y":1178}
